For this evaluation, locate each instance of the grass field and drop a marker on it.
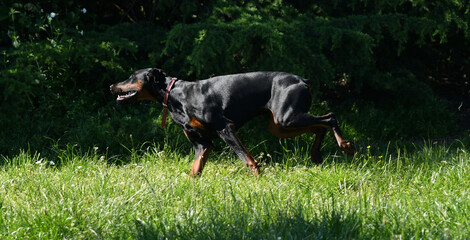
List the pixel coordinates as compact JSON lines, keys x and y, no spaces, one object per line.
{"x":388,"y":193}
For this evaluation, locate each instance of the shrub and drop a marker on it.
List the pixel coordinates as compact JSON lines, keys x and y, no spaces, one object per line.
{"x":377,"y":62}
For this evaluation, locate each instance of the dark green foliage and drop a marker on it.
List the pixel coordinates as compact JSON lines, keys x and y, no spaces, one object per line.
{"x":378,"y":63}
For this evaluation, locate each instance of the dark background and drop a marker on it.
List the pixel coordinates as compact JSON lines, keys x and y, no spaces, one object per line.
{"x":390,"y":70}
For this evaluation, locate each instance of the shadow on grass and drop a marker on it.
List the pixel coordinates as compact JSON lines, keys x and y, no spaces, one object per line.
{"x":329,"y":224}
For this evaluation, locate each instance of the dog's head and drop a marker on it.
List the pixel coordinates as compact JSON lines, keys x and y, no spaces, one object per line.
{"x":139,"y":86}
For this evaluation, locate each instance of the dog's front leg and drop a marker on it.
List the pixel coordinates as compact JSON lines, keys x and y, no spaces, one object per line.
{"x":202,"y":149}
{"x":230,"y":137}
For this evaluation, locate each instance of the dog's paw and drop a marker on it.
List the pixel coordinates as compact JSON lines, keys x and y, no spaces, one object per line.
{"x":255,"y":169}
{"x":347,"y":147}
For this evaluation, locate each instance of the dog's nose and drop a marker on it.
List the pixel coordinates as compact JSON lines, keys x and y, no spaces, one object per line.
{"x":111,"y":87}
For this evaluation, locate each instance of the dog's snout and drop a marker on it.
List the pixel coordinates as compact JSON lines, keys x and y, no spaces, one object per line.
{"x":111,"y":87}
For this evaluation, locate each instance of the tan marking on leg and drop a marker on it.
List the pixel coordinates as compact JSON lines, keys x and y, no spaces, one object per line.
{"x":249,"y":160}
{"x":288,"y":132}
{"x":345,"y":145}
{"x":254,"y":166}
{"x":200,"y":162}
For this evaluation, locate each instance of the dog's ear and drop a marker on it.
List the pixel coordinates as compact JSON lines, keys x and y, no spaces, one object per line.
{"x":156,"y":75}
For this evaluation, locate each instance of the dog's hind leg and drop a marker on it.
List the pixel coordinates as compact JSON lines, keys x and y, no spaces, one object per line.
{"x":315,"y":153}
{"x":300,"y":123}
{"x":327,"y":122}
{"x":289,"y":109}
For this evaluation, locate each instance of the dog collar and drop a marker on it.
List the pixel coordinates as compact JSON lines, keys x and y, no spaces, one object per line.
{"x":165,"y":100}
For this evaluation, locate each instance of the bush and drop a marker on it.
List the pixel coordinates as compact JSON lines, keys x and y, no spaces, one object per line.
{"x":55,"y":88}
{"x":377,"y":62}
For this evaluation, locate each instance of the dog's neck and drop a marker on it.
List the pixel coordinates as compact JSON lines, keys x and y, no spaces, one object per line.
{"x":174,"y":105}
{"x":159,"y":89}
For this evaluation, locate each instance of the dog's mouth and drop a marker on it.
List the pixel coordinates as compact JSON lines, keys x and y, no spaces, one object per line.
{"x":126,"y":96}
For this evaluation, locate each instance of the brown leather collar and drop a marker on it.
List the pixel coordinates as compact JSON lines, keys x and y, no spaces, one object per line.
{"x":165,"y":100}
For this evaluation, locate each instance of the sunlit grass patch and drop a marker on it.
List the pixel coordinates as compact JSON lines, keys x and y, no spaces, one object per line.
{"x":415,"y":193}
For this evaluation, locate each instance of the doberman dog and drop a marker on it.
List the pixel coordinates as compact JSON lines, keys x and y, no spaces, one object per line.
{"x":218,"y":106}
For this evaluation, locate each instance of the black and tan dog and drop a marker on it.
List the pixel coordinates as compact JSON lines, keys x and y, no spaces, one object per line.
{"x":216,"y":107}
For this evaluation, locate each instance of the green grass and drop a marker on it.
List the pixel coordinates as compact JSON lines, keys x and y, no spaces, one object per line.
{"x":422,"y":192}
